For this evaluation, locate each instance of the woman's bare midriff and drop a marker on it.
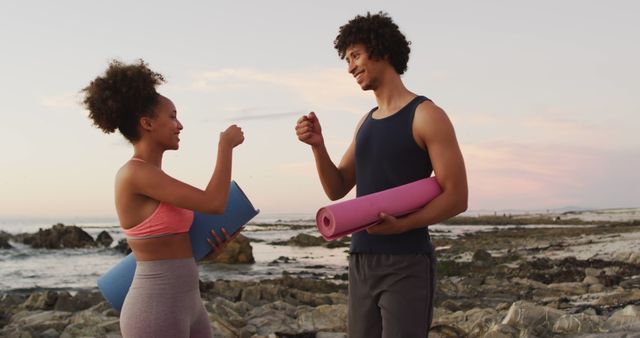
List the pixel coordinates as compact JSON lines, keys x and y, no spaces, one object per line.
{"x":167,"y":247}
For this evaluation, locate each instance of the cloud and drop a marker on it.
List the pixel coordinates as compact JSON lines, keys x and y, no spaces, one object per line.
{"x":531,"y":176}
{"x":72,"y":100}
{"x":549,"y":127}
{"x":327,"y":89}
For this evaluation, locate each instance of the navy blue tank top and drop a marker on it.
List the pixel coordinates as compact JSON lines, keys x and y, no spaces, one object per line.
{"x":387,"y":156}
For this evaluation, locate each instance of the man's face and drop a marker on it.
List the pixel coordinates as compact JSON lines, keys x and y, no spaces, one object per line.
{"x":366,"y":71}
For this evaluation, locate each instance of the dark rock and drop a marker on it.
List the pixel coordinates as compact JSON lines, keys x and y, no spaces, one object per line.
{"x":123,"y":246}
{"x":482,"y":256}
{"x":60,"y":236}
{"x":104,"y":239}
{"x":81,"y":301}
{"x":4,"y":243}
{"x":341,"y":243}
{"x":41,"y":300}
{"x":302,"y":240}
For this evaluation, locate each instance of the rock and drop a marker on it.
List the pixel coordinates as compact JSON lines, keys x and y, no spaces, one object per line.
{"x":590,"y":280}
{"x":624,"y":318}
{"x":340,"y":243}
{"x":502,"y":331}
{"x":331,"y":335}
{"x":41,"y":300}
{"x":123,"y":246}
{"x":596,"y":288}
{"x":50,"y":333}
{"x":264,"y":321}
{"x":529,"y":282}
{"x":631,"y":257}
{"x":60,"y":236}
{"x":239,"y":251}
{"x":525,"y":315}
{"x":4,"y":243}
{"x":578,"y":323}
{"x":569,"y":288}
{"x":81,"y":301}
{"x":104,"y":239}
{"x":226,"y":312}
{"x":477,"y":320}
{"x":592,"y":272}
{"x":38,"y":321}
{"x":618,"y":298}
{"x":302,"y":240}
{"x":324,"y":318}
{"x":482,"y":256}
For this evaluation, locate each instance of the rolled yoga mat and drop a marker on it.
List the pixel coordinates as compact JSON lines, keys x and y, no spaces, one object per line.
{"x":115,"y":283}
{"x":344,"y":218}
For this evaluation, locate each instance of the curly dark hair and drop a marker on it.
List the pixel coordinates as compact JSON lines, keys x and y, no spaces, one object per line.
{"x":120,"y":97}
{"x":380,"y":36}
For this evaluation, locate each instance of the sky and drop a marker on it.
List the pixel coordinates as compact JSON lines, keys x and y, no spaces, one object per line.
{"x":543,"y":96}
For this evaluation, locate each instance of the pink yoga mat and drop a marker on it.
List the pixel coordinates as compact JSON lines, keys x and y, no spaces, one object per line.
{"x":344,"y":218}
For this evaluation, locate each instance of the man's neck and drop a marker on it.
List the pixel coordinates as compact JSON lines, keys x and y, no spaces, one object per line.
{"x":392,"y":95}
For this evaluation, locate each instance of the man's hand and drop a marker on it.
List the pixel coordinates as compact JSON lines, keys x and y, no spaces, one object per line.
{"x":389,"y":225}
{"x":309,"y":131}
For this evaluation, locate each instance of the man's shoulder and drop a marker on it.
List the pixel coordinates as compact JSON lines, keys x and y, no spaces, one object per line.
{"x":428,"y":111}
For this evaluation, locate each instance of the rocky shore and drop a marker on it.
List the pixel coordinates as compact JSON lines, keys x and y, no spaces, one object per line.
{"x":572,"y":281}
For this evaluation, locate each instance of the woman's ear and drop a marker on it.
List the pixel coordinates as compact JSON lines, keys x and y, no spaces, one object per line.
{"x":146,"y":123}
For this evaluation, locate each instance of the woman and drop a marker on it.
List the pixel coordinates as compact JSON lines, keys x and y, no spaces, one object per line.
{"x":154,"y":209}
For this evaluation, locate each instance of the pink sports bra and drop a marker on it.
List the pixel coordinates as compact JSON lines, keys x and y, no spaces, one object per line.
{"x":165,"y":220}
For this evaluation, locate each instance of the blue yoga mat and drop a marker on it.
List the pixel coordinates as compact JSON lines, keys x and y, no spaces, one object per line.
{"x":115,"y":283}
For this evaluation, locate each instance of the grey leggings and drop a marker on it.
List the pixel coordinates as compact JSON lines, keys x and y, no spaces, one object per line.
{"x":164,"y":301}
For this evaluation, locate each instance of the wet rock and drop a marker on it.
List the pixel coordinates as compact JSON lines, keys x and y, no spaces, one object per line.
{"x":477,"y":320}
{"x":502,"y":331}
{"x":59,"y":236}
{"x":123,"y":246}
{"x":41,"y":300}
{"x":339,"y":243}
{"x":226,"y":311}
{"x":330,"y":335}
{"x":619,"y":298}
{"x":104,"y":239}
{"x":40,"y":321}
{"x":590,"y":280}
{"x":578,"y":323}
{"x":239,"y":251}
{"x":569,"y":288}
{"x":624,"y":318}
{"x":482,"y":256}
{"x":302,"y":240}
{"x":80,"y":301}
{"x":264,"y":321}
{"x":628,"y":257}
{"x":4,"y":243}
{"x":526,"y":315}
{"x":324,"y":318}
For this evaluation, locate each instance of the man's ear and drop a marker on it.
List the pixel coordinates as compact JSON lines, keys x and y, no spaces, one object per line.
{"x":146,"y":123}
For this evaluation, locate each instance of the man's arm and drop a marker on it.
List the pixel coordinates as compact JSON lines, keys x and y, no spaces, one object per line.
{"x":336,"y":181}
{"x":433,"y":131}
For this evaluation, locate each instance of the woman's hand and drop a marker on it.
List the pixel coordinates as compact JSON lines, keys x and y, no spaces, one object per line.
{"x":232,"y":137}
{"x":219,"y":247}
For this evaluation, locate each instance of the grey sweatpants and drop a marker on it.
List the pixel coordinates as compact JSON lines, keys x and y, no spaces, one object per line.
{"x":390,"y":296}
{"x":164,"y":302}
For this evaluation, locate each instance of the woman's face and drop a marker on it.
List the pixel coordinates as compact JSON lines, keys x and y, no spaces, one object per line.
{"x":166,"y":127}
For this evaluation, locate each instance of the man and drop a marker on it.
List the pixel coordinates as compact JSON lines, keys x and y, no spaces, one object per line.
{"x":403,"y":139}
